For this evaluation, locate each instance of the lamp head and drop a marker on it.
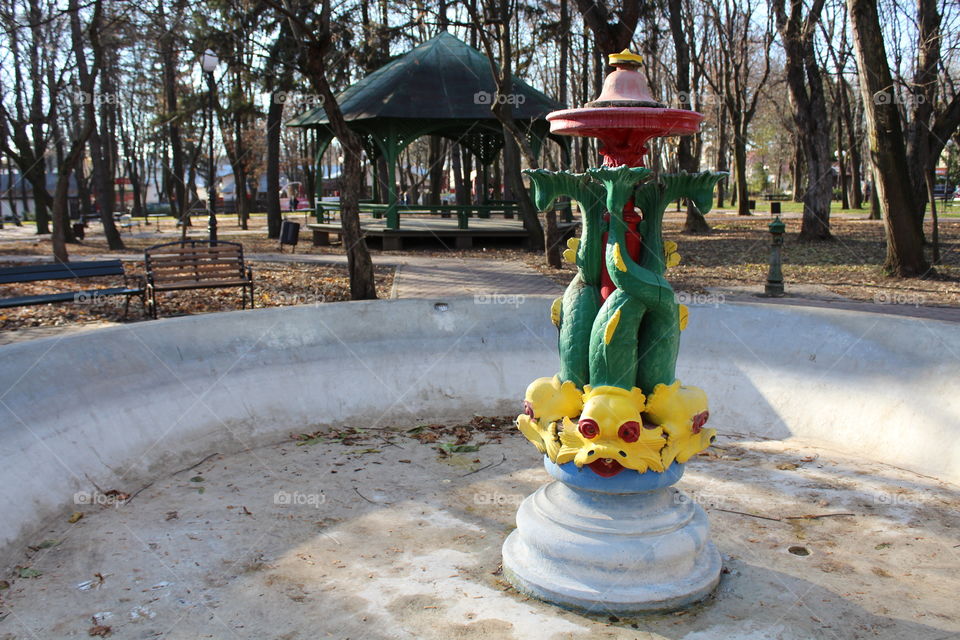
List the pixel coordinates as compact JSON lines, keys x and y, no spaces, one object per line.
{"x":209,"y":61}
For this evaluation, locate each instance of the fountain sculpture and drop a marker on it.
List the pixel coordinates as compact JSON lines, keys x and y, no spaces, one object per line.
{"x":611,"y":534}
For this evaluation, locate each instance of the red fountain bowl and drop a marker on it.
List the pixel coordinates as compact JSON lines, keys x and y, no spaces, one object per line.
{"x":624,"y":131}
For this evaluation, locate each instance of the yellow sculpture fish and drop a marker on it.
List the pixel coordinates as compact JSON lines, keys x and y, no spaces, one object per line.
{"x":682,"y":412}
{"x":546,"y":401}
{"x":610,"y":435}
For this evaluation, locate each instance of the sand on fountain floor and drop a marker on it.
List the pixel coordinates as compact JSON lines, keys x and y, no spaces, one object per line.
{"x":384,"y":539}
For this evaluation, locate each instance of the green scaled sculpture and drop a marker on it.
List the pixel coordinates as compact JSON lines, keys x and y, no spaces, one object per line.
{"x":618,"y":319}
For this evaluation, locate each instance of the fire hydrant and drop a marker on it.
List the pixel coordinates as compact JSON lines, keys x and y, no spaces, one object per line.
{"x":774,"y":287}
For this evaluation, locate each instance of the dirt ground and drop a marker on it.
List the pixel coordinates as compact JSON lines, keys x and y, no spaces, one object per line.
{"x":396,"y":533}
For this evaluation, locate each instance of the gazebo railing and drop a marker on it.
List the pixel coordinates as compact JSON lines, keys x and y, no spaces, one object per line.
{"x":326,"y":211}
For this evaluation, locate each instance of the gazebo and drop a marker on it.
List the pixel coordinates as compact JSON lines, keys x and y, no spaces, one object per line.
{"x":442,"y":87}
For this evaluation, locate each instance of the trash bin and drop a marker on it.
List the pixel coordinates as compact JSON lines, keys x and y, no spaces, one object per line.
{"x":289,"y":233}
{"x":774,"y":208}
{"x":78,"y":230}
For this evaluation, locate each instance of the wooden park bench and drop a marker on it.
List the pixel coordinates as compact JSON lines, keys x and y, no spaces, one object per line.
{"x":69,"y":271}
{"x":195,"y":264}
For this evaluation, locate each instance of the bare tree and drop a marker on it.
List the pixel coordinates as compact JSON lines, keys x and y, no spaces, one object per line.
{"x":27,"y":123}
{"x":612,"y":30}
{"x":101,"y":140}
{"x":807,"y":95}
{"x":888,"y":152}
{"x":686,"y":160}
{"x":741,"y":48}
{"x":932,"y":119}
{"x":515,"y":142}
{"x":313,"y":33}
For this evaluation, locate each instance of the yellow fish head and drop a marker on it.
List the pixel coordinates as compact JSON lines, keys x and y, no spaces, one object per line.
{"x":682,"y":412}
{"x":610,"y":435}
{"x":549,"y":400}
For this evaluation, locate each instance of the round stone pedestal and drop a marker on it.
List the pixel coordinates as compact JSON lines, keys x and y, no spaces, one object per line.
{"x":623,"y":545}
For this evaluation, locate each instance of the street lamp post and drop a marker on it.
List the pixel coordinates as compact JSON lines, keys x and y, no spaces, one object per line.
{"x":209,"y":61}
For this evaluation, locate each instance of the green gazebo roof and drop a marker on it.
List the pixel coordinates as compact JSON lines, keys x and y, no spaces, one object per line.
{"x":443,"y":78}
{"x":442,"y":87}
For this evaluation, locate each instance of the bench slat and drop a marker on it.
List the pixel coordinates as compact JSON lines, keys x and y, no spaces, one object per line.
{"x":206,"y":284}
{"x":66,"y":296}
{"x":199,"y":266}
{"x":175,"y":262}
{"x":68,"y":271}
{"x":203,"y":277}
{"x":188,"y":255}
{"x":190,"y":264}
{"x":173,"y":251}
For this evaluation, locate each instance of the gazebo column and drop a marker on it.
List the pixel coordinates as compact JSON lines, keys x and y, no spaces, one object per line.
{"x":389,"y":146}
{"x":392,"y":153}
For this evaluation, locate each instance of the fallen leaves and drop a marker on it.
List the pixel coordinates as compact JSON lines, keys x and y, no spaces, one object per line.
{"x":459,"y":448}
{"x":75,"y":517}
{"x":100,"y":630}
{"x":347,"y":436}
{"x":276,"y":285}
{"x":493,"y":428}
{"x":46,"y":544}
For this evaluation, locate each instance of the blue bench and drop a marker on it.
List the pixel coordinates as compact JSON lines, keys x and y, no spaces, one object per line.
{"x":69,"y":271}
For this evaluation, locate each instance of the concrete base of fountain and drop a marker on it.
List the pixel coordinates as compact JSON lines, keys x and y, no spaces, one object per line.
{"x":624,"y":545}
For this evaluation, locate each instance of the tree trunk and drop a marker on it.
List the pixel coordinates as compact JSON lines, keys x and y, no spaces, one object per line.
{"x":169,"y":62}
{"x":274,"y":123}
{"x":313,"y":60}
{"x":83,"y":193}
{"x":722,"y":165}
{"x":695,"y":222}
{"x":102,"y":174}
{"x":512,"y":137}
{"x":61,"y":213}
{"x":842,"y":165}
{"x":805,"y":82}
{"x":887,"y":148}
{"x":853,"y":146}
{"x":933,"y":215}
{"x":552,"y":250}
{"x":611,"y":32}
{"x":41,"y":197}
{"x":875,"y":213}
{"x":797,"y":170}
{"x":740,"y":169}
